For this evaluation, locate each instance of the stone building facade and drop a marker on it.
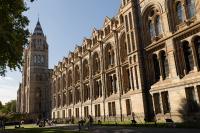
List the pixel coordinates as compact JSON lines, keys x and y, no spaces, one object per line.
{"x":143,"y":63}
{"x":34,"y":92}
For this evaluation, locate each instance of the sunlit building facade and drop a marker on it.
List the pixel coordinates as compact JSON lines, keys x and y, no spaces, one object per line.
{"x":143,"y":63}
{"x":34,"y":94}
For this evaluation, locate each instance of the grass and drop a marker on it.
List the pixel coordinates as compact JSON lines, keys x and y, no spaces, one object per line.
{"x":30,"y":128}
{"x":23,"y":126}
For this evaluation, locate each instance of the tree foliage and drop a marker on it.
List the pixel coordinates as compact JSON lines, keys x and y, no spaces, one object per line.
{"x":13,"y":34}
{"x":9,"y":107}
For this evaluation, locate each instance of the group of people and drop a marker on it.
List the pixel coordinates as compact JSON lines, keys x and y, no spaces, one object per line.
{"x":2,"y":124}
{"x":89,"y":122}
{"x":43,"y":122}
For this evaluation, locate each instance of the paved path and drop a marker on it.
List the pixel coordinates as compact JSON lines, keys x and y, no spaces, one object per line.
{"x":142,"y":130}
{"x":122,"y":129}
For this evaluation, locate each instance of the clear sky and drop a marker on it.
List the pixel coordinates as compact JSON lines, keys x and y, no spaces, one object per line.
{"x":65,"y":23}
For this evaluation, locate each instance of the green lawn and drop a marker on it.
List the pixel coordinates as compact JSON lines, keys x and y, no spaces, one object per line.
{"x":24,"y":126}
{"x":34,"y":129}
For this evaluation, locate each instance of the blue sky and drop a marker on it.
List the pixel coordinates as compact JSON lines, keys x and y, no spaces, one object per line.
{"x":65,"y":23}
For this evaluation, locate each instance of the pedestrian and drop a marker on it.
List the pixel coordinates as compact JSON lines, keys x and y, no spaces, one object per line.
{"x":79,"y":125}
{"x":90,"y":120}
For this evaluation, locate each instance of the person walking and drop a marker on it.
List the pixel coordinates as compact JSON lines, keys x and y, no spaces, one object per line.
{"x":90,"y":121}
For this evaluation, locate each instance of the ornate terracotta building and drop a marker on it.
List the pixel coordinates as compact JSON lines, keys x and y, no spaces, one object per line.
{"x":143,"y":63}
{"x":34,"y":92}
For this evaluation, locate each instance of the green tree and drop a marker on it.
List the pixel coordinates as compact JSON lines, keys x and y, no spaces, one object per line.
{"x":13,"y":34}
{"x":1,"y":105}
{"x":9,"y":107}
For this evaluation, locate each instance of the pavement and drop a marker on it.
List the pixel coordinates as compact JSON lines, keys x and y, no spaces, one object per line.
{"x":123,"y":129}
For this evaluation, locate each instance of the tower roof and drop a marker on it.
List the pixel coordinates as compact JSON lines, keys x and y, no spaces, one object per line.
{"x":38,"y":29}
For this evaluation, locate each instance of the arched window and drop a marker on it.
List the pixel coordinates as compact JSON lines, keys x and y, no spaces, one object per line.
{"x":69,"y":78}
{"x":158,"y":26}
{"x":85,"y":69}
{"x":110,"y":56}
{"x":70,"y":97}
{"x":121,"y":18}
{"x":97,"y":89}
{"x":77,"y":95}
{"x":114,"y":84}
{"x":54,"y":87}
{"x":188,"y":57}
{"x":123,"y":48}
{"x":153,"y":24}
{"x":179,"y":11}
{"x":35,"y":59}
{"x":190,"y":7}
{"x":58,"y":82}
{"x":86,"y":92}
{"x":59,"y":100}
{"x":42,"y":59}
{"x":96,"y":63}
{"x":156,"y":67}
{"x":54,"y":102}
{"x":77,"y":74}
{"x":164,"y":64}
{"x":197,"y":48}
{"x":64,"y":81}
{"x":64,"y":99}
{"x":151,"y":29}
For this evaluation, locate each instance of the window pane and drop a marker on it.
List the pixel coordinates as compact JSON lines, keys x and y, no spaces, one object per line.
{"x":179,"y":10}
{"x":191,"y":8}
{"x":159,"y":25}
{"x":188,"y":57}
{"x":151,"y":29}
{"x":197,"y":48}
{"x":128,"y":107}
{"x":165,"y":102}
{"x":191,"y":100}
{"x":156,"y":99}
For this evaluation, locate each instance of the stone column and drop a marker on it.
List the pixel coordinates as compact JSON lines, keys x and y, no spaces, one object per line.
{"x":171,"y":59}
{"x":81,"y":86}
{"x":153,"y":103}
{"x":90,"y":80}
{"x":134,"y":78}
{"x":102,"y":66}
{"x":161,"y":68}
{"x":194,"y":56}
{"x":130,"y":77}
{"x":73,"y":87}
{"x":196,"y":93}
{"x":161,"y":104}
{"x":118,"y":70}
